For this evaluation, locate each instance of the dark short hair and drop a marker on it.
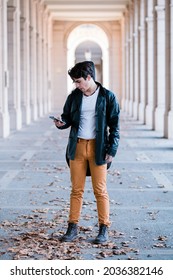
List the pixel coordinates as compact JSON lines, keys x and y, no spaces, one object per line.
{"x":82,"y":70}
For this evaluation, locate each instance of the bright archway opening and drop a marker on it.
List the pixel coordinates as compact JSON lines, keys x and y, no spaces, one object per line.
{"x":89,"y":50}
{"x":85,"y":42}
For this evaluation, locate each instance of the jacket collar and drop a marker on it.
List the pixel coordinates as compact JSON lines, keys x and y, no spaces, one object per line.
{"x":79,"y":95}
{"x":100,"y":95}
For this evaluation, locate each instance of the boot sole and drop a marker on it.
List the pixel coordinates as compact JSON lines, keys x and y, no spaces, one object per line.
{"x":100,"y":242}
{"x":67,"y":240}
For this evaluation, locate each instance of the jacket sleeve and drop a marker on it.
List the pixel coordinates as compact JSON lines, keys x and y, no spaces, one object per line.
{"x":113,"y":123}
{"x":65,"y":116}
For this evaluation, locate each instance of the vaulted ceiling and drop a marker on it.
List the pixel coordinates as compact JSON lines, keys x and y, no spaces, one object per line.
{"x":86,"y":10}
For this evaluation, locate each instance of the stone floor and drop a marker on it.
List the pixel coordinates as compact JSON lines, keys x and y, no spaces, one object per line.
{"x":35,"y":189}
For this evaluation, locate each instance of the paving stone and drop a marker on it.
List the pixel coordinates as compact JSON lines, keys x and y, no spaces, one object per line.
{"x":35,"y":190}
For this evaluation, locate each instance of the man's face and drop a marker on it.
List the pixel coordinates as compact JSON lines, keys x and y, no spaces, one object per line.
{"x":82,"y":84}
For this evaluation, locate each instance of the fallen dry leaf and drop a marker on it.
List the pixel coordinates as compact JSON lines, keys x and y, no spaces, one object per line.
{"x":160,"y":245}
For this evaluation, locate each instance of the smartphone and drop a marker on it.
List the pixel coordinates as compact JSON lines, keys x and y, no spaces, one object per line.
{"x":56,"y":119}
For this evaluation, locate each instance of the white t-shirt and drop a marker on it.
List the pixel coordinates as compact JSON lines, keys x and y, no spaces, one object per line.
{"x":87,"y":126}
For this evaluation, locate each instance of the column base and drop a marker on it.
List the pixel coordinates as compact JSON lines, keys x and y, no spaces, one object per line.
{"x":170,"y":125}
{"x":26,"y":115}
{"x":149,"y":113}
{"x":135,"y":110}
{"x":4,"y":125}
{"x":40,"y":109}
{"x":15,"y":119}
{"x":142,"y":112}
{"x":159,"y":119}
{"x":130,"y":110}
{"x":127,"y":106}
{"x":34,"y":112}
{"x":122,"y":104}
{"x":49,"y":108}
{"x":45,"y":109}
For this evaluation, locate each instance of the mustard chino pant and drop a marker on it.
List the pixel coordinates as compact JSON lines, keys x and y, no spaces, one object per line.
{"x":85,"y":151}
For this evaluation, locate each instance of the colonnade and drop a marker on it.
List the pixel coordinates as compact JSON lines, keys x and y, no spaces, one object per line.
{"x":25,"y":63}
{"x":28,"y":76}
{"x":148,"y":63}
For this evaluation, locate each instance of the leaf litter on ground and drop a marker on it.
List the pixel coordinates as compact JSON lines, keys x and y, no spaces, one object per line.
{"x":36,"y":237}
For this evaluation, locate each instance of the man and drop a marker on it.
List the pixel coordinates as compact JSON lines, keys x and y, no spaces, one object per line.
{"x":92,"y":112}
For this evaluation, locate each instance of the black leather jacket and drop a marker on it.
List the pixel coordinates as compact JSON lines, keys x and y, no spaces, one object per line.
{"x":107,"y":123}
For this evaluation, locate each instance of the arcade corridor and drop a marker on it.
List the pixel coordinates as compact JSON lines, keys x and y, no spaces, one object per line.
{"x":131,"y":44}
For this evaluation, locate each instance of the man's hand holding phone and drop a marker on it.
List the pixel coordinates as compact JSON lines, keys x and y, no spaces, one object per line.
{"x":58,"y":122}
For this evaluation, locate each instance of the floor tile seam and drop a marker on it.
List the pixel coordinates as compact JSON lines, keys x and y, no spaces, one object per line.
{"x":139,"y":190}
{"x":8,"y":177}
{"x":27,"y":155}
{"x":19,"y":160}
{"x":116,"y":163}
{"x":162,"y":179}
{"x":28,"y":147}
{"x":45,"y":136}
{"x":58,"y":188}
{"x":162,"y":251}
{"x":117,"y":207}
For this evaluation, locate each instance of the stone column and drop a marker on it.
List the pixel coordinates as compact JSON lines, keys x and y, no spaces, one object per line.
{"x":25,"y":62}
{"x":59,"y":61}
{"x":136,"y":60}
{"x":4,"y":75}
{"x":170,"y":114}
{"x":45,"y":62}
{"x":151,"y":43}
{"x":131,"y":59}
{"x":13,"y":9}
{"x":123,"y":43}
{"x":167,"y":69}
{"x":115,"y":59}
{"x":142,"y":67}
{"x":160,"y":110}
{"x":40,"y":58}
{"x":127,"y":62}
{"x":33,"y":60}
{"x":49,"y":78}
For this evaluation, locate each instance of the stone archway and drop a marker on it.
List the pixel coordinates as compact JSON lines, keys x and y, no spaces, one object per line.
{"x":88,"y":32}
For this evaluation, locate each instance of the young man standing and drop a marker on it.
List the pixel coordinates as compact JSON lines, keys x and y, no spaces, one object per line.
{"x":92,"y":112}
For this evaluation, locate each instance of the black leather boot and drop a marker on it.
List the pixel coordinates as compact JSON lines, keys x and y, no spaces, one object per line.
{"x":102,"y":236}
{"x":71,"y":233}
